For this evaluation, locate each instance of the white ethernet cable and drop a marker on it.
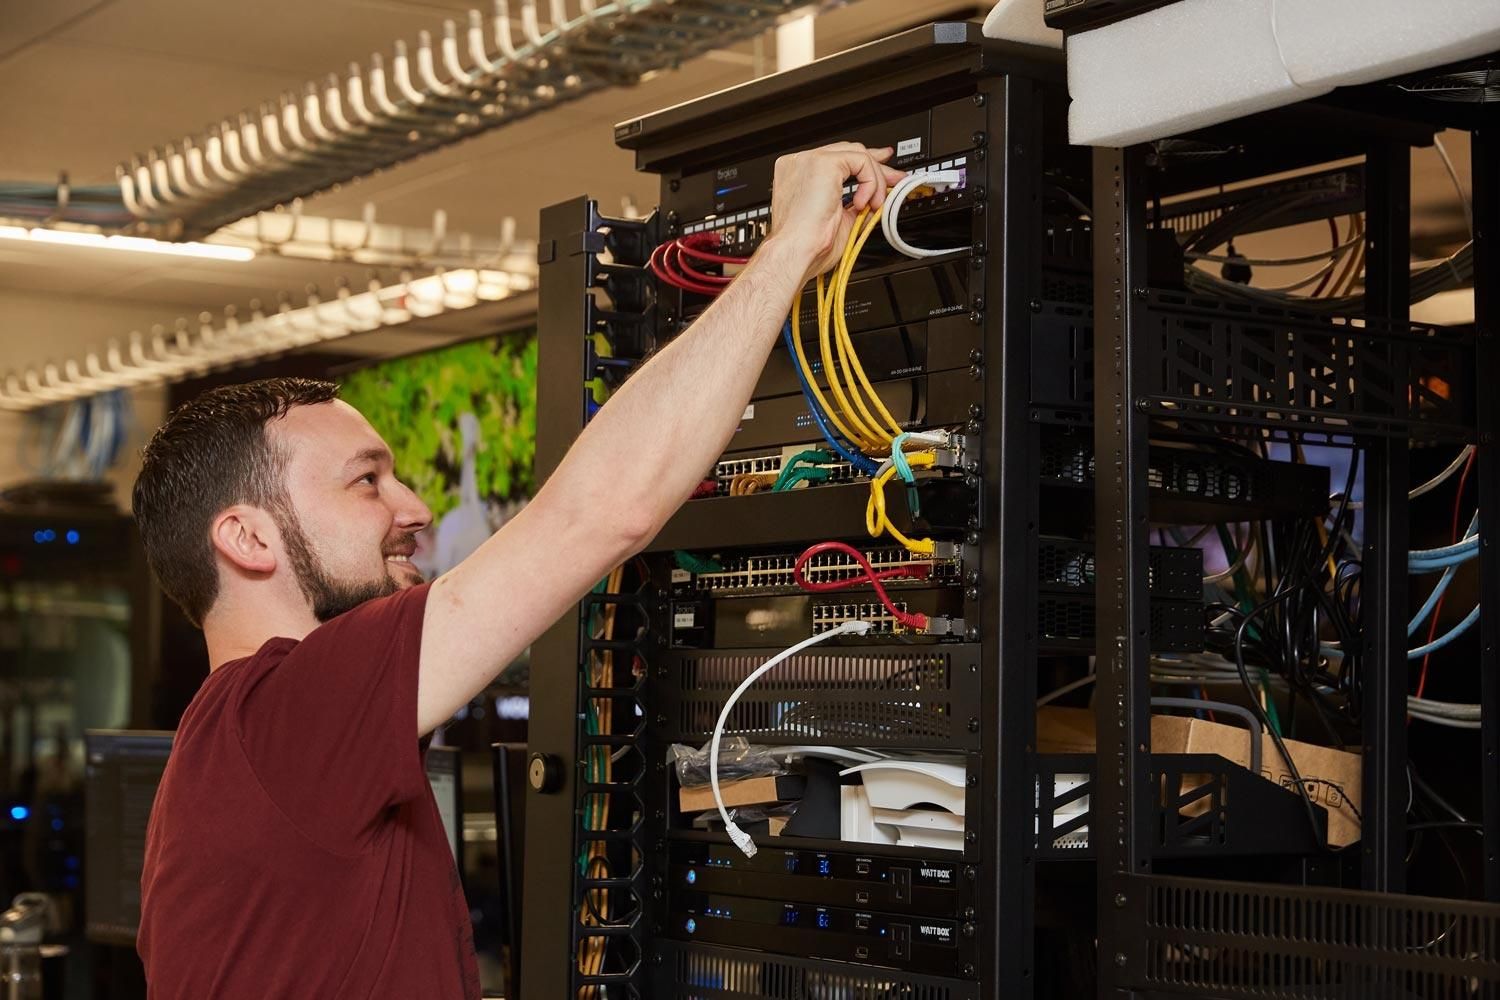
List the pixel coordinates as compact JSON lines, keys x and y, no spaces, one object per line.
{"x":898,"y":194}
{"x":741,"y":839}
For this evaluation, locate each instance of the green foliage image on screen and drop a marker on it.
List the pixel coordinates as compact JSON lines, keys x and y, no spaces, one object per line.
{"x":461,"y":422}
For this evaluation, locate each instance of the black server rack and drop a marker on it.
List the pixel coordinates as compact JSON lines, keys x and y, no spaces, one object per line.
{"x":1068,"y":873}
{"x":1357,"y":373}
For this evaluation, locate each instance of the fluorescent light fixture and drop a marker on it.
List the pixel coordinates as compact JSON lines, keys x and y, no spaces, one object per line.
{"x":98,"y":241}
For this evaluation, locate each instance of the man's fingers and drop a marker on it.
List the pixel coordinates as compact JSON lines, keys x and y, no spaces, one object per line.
{"x":870,"y":176}
{"x":844,"y":147}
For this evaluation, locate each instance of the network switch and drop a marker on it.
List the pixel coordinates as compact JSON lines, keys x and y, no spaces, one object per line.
{"x":1192,"y":485}
{"x":929,"y":944}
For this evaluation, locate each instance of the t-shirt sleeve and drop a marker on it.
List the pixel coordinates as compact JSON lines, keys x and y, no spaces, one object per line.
{"x":331,"y":728}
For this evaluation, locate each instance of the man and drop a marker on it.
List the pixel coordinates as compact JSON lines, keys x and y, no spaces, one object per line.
{"x":294,"y":849}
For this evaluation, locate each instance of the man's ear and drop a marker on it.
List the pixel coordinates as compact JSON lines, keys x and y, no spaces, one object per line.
{"x":243,"y":535}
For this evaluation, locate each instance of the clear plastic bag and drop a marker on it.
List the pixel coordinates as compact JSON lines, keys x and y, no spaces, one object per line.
{"x":738,"y":758}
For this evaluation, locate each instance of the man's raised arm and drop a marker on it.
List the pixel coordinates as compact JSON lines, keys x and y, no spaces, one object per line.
{"x":643,"y":453}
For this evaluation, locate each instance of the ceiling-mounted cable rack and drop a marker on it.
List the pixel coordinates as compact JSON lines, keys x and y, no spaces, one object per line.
{"x":165,"y":356}
{"x":472,"y":81}
{"x":289,"y":232}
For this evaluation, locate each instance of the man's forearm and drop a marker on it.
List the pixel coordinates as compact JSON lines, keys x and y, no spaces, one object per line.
{"x":645,"y":452}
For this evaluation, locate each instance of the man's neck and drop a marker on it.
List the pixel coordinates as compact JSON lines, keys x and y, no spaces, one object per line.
{"x":234,"y":631}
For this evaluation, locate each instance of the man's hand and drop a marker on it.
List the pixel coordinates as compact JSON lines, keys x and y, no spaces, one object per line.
{"x":807,"y":198}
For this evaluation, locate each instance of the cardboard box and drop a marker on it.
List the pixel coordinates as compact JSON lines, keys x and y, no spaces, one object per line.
{"x":1071,"y":730}
{"x":744,"y":792}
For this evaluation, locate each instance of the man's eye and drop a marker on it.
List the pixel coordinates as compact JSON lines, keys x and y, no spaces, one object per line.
{"x":368,"y":477}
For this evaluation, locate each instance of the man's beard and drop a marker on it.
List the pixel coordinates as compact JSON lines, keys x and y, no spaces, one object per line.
{"x":329,"y":597}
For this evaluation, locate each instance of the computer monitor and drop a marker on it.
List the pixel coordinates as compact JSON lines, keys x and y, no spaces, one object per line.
{"x":510,"y":832}
{"x":123,"y":772}
{"x":444,"y":774}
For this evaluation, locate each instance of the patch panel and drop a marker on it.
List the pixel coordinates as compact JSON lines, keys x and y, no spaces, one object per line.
{"x":831,"y":616}
{"x":728,"y":469}
{"x":741,"y":232}
{"x":772,"y":573}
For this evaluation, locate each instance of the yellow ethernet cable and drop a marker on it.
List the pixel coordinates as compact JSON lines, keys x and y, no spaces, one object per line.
{"x":868,"y":433}
{"x":858,"y":238}
{"x":876,"y":521}
{"x":810,"y":378}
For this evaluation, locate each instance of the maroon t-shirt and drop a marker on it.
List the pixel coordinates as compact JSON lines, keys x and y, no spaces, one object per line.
{"x":295,"y":849}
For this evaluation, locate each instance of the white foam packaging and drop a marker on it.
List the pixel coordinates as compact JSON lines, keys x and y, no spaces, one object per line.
{"x":1346,"y":42}
{"x":1021,"y":21}
{"x":1176,"y":68}
{"x":1196,"y":63}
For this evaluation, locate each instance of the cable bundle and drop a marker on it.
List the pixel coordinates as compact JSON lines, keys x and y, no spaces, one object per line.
{"x":858,"y":421}
{"x":88,"y":205}
{"x":679,"y":263}
{"x":80,"y":440}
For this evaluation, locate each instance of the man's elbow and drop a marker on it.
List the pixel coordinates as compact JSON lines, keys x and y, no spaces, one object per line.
{"x":632,"y":532}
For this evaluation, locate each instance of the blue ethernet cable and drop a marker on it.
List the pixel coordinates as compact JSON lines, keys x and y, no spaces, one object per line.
{"x":1443,"y":640}
{"x":861,"y":462}
{"x":1432,"y":599}
{"x":1449,"y":556}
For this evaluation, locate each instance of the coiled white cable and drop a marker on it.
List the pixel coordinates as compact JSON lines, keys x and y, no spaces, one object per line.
{"x":741,"y":839}
{"x":897,"y":196}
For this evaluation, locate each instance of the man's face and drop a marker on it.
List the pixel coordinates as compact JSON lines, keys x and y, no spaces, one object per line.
{"x":351,"y":528}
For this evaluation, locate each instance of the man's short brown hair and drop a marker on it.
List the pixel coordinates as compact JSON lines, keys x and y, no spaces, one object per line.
{"x":212,"y":453}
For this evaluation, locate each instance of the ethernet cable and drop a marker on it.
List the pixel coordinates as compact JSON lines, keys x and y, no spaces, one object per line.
{"x":877,"y":522}
{"x":670,"y":262}
{"x":857,"y":437}
{"x":741,"y":839}
{"x":897,"y":196}
{"x":1445,"y":639}
{"x":1433,"y":598}
{"x":833,"y":332}
{"x":1419,"y":563}
{"x":817,"y":405}
{"x":1442,"y":477}
{"x":1431,"y":560}
{"x":917,"y":622}
{"x":805,"y":466}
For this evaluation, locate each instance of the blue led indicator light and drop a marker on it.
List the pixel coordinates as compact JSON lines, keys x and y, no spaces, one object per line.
{"x":692,"y":925}
{"x":73,"y":536}
{"x":19,"y":813}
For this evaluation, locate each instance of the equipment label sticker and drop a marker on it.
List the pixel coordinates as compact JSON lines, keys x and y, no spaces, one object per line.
{"x":685,"y":619}
{"x":681,"y":576}
{"x":940,"y":875}
{"x":749,"y":412}
{"x":936,"y":934}
{"x":908,"y":147}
